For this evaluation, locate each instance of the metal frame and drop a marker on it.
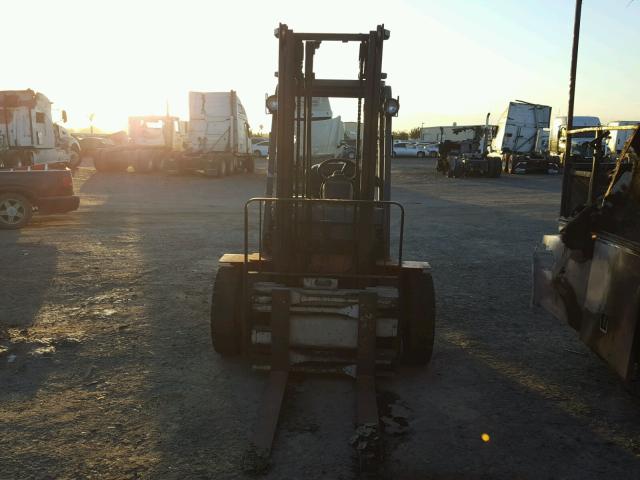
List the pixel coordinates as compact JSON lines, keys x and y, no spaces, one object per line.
{"x":290,"y":163}
{"x":593,"y":170}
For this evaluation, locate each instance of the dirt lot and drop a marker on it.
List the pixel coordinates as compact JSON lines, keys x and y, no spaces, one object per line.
{"x":106,"y":368}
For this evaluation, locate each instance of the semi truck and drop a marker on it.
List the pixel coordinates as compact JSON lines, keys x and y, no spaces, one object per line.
{"x":154,"y":142}
{"x":327,"y":131}
{"x":468,"y":157}
{"x":521,"y":140}
{"x":219,"y":139}
{"x":28,"y":136}
{"x":580,"y":142}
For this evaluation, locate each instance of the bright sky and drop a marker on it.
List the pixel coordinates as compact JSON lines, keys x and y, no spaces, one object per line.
{"x":448,"y":61}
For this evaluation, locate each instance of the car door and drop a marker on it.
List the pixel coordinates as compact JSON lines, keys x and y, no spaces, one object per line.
{"x":400,"y":149}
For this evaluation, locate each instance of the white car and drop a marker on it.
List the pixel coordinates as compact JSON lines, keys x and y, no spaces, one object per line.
{"x":261,"y":149}
{"x":404,"y":149}
{"x":431,"y":149}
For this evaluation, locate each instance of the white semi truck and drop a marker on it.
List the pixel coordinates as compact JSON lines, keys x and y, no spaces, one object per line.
{"x":154,"y":142}
{"x":522,"y":138}
{"x":327,"y":132}
{"x":579,"y":142}
{"x":28,"y":136}
{"x":215,"y":141}
{"x":218,"y":140}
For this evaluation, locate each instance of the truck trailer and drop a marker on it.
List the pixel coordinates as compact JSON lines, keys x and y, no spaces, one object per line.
{"x":28,"y":136}
{"x":218,"y":140}
{"x":617,"y":138}
{"x":521,"y":139}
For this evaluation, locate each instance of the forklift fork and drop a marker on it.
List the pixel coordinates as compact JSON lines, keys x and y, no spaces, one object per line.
{"x":366,"y":439}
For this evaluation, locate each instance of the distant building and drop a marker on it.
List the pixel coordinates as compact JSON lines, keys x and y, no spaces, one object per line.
{"x":453,"y":133}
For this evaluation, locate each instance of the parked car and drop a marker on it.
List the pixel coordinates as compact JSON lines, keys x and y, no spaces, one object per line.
{"x":431,"y":149}
{"x":261,"y":149}
{"x":24,"y":191}
{"x":405,"y":149}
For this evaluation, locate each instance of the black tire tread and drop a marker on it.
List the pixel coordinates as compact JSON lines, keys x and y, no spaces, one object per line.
{"x":225,"y":328}
{"x":420,"y":313}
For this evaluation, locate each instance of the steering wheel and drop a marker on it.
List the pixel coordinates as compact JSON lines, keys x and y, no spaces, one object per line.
{"x":346,"y":167}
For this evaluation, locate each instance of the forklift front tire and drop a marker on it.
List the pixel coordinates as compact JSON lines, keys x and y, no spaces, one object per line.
{"x":225,"y":311}
{"x":420,"y":316}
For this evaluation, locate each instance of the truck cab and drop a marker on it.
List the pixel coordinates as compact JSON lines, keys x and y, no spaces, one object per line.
{"x":158,"y":131}
{"x":579,"y":141}
{"x":28,"y":136}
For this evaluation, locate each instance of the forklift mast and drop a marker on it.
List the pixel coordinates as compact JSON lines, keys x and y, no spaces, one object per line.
{"x":296,"y":176}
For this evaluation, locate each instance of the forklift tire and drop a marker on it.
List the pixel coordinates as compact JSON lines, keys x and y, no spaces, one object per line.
{"x":419,"y":322}
{"x":225,"y":311}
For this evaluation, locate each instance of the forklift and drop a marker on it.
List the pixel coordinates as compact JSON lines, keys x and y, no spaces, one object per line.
{"x":322,"y":285}
{"x":588,"y":274}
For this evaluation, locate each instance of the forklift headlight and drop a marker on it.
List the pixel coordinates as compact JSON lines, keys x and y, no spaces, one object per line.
{"x":272,"y":103}
{"x":391,"y":106}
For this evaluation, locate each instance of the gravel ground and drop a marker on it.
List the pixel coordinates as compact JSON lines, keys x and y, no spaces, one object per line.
{"x":106,"y":368}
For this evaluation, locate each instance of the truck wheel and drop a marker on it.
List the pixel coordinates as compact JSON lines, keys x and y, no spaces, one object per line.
{"x":222,"y":169}
{"x":159,"y":162}
{"x":143,"y":162}
{"x":498,"y":168}
{"x":15,"y":211}
{"x":225,"y":311}
{"x":100,"y":161}
{"x":418,"y":330}
{"x":74,"y":159}
{"x":257,"y":153}
{"x":420,"y":154}
{"x":494,"y":167}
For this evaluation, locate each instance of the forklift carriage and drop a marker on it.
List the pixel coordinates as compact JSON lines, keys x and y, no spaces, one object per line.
{"x":322,"y":293}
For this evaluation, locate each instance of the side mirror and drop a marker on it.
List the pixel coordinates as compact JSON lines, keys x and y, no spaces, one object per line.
{"x":64,"y":116}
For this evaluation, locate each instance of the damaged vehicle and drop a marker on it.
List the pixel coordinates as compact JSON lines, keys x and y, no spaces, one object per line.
{"x":588,"y":274}
{"x":469,"y":157}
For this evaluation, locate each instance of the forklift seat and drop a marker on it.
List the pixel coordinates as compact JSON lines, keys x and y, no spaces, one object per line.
{"x":338,"y":186}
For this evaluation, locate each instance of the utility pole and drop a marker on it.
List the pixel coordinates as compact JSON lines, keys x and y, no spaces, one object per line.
{"x":566,"y":161}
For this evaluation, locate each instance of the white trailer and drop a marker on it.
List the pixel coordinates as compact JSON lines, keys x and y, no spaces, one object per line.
{"x":218,"y":140}
{"x":617,"y":138}
{"x":28,"y":135}
{"x":327,"y":132}
{"x":521,"y":138}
